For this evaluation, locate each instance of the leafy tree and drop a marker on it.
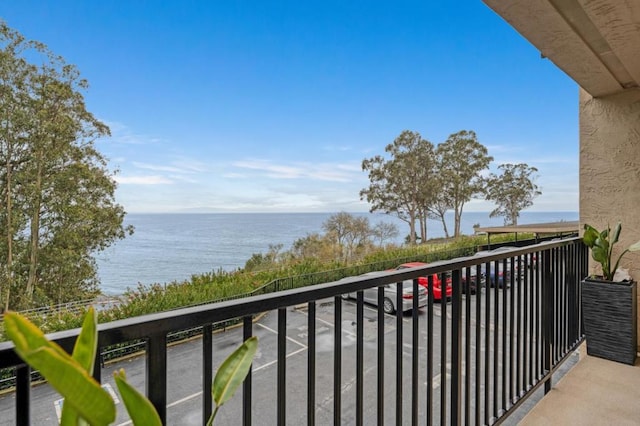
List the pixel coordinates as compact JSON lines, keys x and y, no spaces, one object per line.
{"x":262,"y":262}
{"x":439,"y":207}
{"x":315,"y":246}
{"x":462,"y":159}
{"x":57,"y":192}
{"x":513,"y":191}
{"x":403,"y":184}
{"x":348,"y":231}
{"x":383,"y":231}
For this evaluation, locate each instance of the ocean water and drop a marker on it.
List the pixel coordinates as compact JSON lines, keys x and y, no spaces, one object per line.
{"x":172,"y":247}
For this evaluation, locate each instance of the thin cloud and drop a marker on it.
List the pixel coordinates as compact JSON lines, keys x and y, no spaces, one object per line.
{"x":183,"y":167}
{"x":143,"y":180}
{"x":157,"y":168}
{"x":123,"y":134}
{"x":305,"y":170}
{"x":234,"y":175}
{"x":182,"y":178}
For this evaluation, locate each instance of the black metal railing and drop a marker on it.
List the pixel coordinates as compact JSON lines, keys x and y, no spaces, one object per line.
{"x":472,"y":359}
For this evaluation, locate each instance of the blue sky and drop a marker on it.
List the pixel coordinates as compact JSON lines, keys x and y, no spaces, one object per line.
{"x":251,"y":106}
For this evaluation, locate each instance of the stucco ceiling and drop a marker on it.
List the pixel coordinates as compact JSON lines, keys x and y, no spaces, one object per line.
{"x":596,"y":42}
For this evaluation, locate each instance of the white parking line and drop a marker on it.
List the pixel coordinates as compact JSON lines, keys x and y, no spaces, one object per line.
{"x":275,"y":361}
{"x":276,"y":333}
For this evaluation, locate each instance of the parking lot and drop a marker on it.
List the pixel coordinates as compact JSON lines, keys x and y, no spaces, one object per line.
{"x":184,"y":392}
{"x":185,"y":361}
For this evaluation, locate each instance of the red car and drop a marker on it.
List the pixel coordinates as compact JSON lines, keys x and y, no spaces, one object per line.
{"x":437,"y":283}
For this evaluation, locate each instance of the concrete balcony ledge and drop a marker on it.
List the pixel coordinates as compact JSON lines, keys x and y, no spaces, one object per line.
{"x":594,"y":392}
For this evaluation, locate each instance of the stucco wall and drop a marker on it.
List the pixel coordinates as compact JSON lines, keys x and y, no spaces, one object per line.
{"x":610,"y":168}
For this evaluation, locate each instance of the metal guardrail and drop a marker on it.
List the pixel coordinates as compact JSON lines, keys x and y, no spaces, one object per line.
{"x":77,"y":307}
{"x":297,"y":281}
{"x":501,"y":344}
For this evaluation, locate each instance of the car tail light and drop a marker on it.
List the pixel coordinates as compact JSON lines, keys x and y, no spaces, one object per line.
{"x":407,"y":295}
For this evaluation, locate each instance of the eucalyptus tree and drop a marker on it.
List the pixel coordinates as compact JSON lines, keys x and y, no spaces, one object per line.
{"x":402,"y":184}
{"x":348,"y":232}
{"x":57,"y":191}
{"x":439,"y":208}
{"x":14,"y":118}
{"x":513,"y":190}
{"x":383,"y":231}
{"x":462,"y":159}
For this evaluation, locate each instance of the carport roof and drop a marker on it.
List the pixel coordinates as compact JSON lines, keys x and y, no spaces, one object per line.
{"x":534,"y":228}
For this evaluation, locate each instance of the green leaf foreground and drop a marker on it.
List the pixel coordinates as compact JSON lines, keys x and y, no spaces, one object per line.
{"x":232,"y":373}
{"x":84,"y":398}
{"x":140,"y":409}
{"x":63,"y":373}
{"x":84,"y":353}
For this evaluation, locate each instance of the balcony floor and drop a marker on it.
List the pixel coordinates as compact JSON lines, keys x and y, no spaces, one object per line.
{"x":594,"y":392}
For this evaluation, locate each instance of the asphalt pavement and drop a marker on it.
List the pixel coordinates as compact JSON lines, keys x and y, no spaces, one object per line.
{"x":184,"y":388}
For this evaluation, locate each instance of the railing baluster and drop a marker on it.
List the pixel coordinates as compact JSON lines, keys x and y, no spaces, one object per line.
{"x":156,"y":377}
{"x":512,"y":332}
{"x":311,"y":363}
{"x":415,"y":354}
{"x":520,"y":313}
{"x":443,"y":352}
{"x":467,"y":342}
{"x":247,"y":332}
{"x":430,"y":316}
{"x":527,"y":338}
{"x":539,"y":315}
{"x":456,"y":349}
{"x":97,"y":367}
{"x":532,"y":316}
{"x":207,"y":372}
{"x":479,"y":344}
{"x":359,"y":359}
{"x":399,"y":359}
{"x":570,"y":256}
{"x":504,"y":334}
{"x":548,"y":316}
{"x":282,"y":367}
{"x":487,"y":343}
{"x":380,"y":380}
{"x":496,"y":336}
{"x":337,"y":361}
{"x":23,"y":395}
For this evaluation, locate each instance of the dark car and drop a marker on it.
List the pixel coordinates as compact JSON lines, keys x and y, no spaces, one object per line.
{"x":475,"y":281}
{"x":497,"y":274}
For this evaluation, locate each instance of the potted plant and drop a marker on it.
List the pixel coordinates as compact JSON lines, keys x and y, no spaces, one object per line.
{"x":609,"y":304}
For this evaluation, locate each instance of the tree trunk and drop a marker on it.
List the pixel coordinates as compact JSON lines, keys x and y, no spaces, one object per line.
{"x":456,"y":224}
{"x":412,"y":228}
{"x":35,"y":231}
{"x":444,"y":226}
{"x":423,"y":228}
{"x":9,"y":280}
